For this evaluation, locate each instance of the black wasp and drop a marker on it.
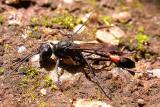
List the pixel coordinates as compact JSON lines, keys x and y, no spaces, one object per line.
{"x":70,"y":50}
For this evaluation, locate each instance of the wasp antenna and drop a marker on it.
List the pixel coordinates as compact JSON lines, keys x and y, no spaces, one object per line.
{"x":70,"y":35}
{"x":88,"y":16}
{"x":21,"y":61}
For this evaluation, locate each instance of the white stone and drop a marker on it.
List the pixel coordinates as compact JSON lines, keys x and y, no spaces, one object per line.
{"x":129,"y":1}
{"x":68,"y":1}
{"x":90,"y":103}
{"x":11,"y":1}
{"x":154,"y":73}
{"x":106,"y":37}
{"x":24,"y":36}
{"x":117,"y":32}
{"x":35,"y":58}
{"x":121,"y":73}
{"x":54,"y":74}
{"x":63,"y":76}
{"x":21,"y":49}
{"x":14,"y":18}
{"x":122,"y":16}
{"x":43,"y":91}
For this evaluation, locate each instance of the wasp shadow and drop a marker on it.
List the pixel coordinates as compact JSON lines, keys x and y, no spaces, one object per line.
{"x":50,"y":64}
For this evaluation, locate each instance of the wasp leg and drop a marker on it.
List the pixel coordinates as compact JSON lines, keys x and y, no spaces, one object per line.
{"x":94,"y":79}
{"x":59,"y":74}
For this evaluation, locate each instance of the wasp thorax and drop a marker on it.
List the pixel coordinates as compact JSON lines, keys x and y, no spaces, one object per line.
{"x":61,"y":49}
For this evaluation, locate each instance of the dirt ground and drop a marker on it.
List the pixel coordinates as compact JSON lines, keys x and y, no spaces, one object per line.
{"x":27,"y":23}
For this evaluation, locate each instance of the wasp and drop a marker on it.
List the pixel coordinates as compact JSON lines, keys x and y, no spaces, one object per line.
{"x":67,"y":49}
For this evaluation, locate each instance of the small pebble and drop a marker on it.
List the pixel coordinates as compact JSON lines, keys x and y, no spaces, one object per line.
{"x":68,"y":1}
{"x":121,"y":73}
{"x":43,"y":91}
{"x":21,"y":49}
{"x":106,"y":37}
{"x":141,"y":102}
{"x":90,"y":103}
{"x":15,"y":18}
{"x":11,"y":2}
{"x":24,"y":36}
{"x":117,"y":32}
{"x":122,"y":16}
{"x":129,"y":1}
{"x":154,"y":73}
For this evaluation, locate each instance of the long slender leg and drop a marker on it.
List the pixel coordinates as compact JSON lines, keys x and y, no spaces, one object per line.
{"x":94,"y":79}
{"x":56,"y":67}
{"x":58,"y":74}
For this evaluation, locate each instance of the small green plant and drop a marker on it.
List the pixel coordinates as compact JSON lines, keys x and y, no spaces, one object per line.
{"x":1,"y":19}
{"x":137,"y":4}
{"x":129,"y":26}
{"x":92,"y":2}
{"x":2,"y":70}
{"x":141,"y":38}
{"x":42,"y":104}
{"x":66,"y":20}
{"x":107,"y":20}
{"x":24,"y":81}
{"x":34,"y":32}
{"x":32,"y":96}
{"x":141,"y":29}
{"x":46,"y":21}
{"x":35,"y":20}
{"x":48,"y":81}
{"x":29,"y":71}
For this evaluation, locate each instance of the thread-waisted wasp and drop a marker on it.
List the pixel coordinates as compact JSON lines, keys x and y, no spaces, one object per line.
{"x":70,"y":50}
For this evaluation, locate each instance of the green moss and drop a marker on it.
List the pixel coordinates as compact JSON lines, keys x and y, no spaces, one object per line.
{"x":32,"y":96}
{"x":42,"y":104}
{"x":107,"y":20}
{"x":35,"y":20}
{"x":2,"y":70}
{"x":45,"y":21}
{"x":127,"y":42}
{"x":125,"y":8}
{"x":141,"y":29}
{"x":66,"y":20}
{"x":141,"y":39}
{"x":29,"y":71}
{"x":1,"y":19}
{"x":92,"y":2}
{"x":138,"y":4}
{"x":129,"y":26}
{"x":7,"y":46}
{"x":48,"y":81}
{"x":34,"y":32}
